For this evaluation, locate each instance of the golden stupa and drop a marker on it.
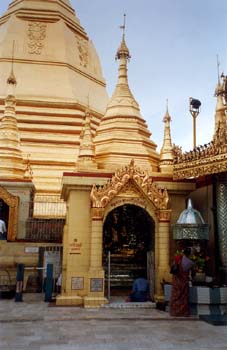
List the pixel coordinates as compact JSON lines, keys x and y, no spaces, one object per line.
{"x":57,"y":69}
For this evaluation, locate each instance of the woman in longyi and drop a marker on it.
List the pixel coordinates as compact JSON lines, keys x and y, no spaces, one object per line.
{"x":179,"y":301}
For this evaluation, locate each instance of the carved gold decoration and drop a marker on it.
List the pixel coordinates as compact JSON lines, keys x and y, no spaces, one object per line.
{"x":164,"y":215}
{"x":13,"y":203}
{"x":97,"y":213}
{"x":129,"y":190}
{"x":83,"y":52}
{"x":36,"y":35}
{"x":177,"y":151}
{"x":102,"y":195}
{"x":203,"y":160}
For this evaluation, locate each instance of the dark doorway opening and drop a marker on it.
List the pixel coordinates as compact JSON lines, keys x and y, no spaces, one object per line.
{"x":128,"y":234}
{"x":4,"y":218}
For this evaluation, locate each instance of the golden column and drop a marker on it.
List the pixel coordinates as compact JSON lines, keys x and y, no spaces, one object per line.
{"x":96,"y":239}
{"x":163,"y":251}
{"x":95,"y":296}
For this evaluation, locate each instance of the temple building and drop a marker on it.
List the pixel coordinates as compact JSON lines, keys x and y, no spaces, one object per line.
{"x":81,"y":181}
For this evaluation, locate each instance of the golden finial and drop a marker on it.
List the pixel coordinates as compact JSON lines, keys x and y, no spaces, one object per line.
{"x":12,"y":78}
{"x":87,"y":109}
{"x":124,"y":25}
{"x":167,"y":117}
{"x":218,"y":69}
{"x":123,"y":51}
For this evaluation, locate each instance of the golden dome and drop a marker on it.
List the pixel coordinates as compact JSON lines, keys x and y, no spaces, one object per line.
{"x":54,"y":78}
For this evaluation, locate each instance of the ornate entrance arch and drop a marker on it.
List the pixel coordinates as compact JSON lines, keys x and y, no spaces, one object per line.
{"x":133,"y":186}
{"x":101,"y":196}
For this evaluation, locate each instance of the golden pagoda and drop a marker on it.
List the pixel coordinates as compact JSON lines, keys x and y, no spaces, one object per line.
{"x":80,"y":176}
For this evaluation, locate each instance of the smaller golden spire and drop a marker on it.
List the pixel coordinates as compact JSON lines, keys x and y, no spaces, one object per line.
{"x":11,"y":158}
{"x":220,"y":116}
{"x":166,"y":154}
{"x":219,"y":87}
{"x":86,"y":158}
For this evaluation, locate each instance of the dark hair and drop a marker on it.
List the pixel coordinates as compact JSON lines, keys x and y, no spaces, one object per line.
{"x":141,"y":274}
{"x":187,"y":251}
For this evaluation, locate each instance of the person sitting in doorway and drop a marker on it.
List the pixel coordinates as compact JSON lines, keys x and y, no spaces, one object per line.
{"x":140,"y":290}
{"x":3,"y":234}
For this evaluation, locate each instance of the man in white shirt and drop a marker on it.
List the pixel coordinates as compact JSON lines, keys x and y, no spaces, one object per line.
{"x":2,"y":230}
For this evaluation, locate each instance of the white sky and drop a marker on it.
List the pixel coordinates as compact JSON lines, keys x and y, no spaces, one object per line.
{"x":173,"y":44}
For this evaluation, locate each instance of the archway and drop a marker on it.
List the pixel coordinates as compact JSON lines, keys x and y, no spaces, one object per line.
{"x":129,"y":236}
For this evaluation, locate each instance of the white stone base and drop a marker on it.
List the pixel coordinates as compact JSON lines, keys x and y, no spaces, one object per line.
{"x":94,"y":302}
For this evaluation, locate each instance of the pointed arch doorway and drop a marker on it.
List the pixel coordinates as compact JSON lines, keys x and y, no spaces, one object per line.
{"x":129,"y":241}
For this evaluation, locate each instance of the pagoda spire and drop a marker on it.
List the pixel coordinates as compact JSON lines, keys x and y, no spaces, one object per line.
{"x":122,"y":101}
{"x":11,"y":159}
{"x":166,"y":154}
{"x":86,"y":157}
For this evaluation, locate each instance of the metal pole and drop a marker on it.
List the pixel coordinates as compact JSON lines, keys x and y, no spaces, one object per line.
{"x":194,"y":129}
{"x":194,"y":108}
{"x":19,"y":283}
{"x":109,"y":275}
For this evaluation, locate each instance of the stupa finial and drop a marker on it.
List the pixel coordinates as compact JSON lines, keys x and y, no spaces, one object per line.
{"x":218,"y":69}
{"x":123,"y":51}
{"x":167,"y":117}
{"x":124,"y":25}
{"x":12,"y":79}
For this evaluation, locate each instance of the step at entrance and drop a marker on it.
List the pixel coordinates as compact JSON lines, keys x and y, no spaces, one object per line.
{"x":130,"y":305}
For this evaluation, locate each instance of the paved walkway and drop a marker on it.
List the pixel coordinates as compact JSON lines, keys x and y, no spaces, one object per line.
{"x":35,"y":325}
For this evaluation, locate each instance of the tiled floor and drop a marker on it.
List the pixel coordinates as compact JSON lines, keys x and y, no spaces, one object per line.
{"x":35,"y":325}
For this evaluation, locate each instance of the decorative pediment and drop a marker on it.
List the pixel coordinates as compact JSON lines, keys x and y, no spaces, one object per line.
{"x":102,"y":195}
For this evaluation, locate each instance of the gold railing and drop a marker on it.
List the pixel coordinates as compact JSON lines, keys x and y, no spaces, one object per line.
{"x":203,"y":160}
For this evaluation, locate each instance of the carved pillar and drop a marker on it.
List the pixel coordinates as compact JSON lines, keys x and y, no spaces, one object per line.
{"x":221,"y":200}
{"x":96,"y":239}
{"x":163,"y":249}
{"x":64,"y":258}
